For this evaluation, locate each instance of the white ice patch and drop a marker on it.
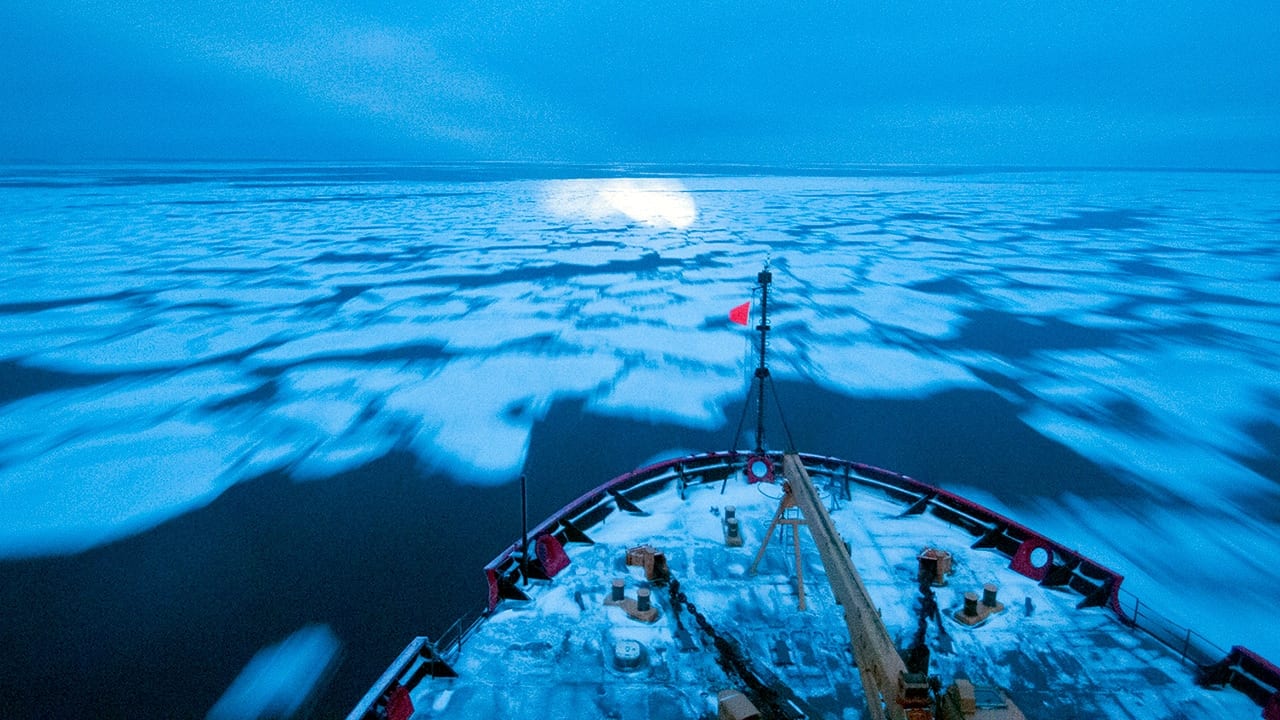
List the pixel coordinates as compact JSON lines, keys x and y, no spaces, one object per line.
{"x":829,"y":323}
{"x":39,"y":424}
{"x":279,"y":680}
{"x":474,"y":416}
{"x":113,"y":483}
{"x":673,"y":348}
{"x":272,"y":296}
{"x":37,"y":332}
{"x":921,"y":313}
{"x":897,"y":271}
{"x":338,"y":343}
{"x":1109,"y":322}
{"x":172,"y":340}
{"x":1184,"y":468}
{"x":223,"y":264}
{"x":1193,"y":402}
{"x":326,"y":416}
{"x":864,"y":369}
{"x":1049,"y":302}
{"x":698,"y":401}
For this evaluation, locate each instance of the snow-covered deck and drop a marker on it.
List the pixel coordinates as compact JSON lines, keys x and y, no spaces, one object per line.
{"x":554,"y":655}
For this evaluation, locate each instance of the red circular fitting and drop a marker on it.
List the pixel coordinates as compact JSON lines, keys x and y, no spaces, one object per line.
{"x":759,"y":469}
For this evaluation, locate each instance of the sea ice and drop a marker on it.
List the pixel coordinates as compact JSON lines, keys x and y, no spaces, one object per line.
{"x":475,"y":415}
{"x":865,"y":369}
{"x":280,"y":679}
{"x":208,"y":332}
{"x":113,"y":483}
{"x":698,"y":402}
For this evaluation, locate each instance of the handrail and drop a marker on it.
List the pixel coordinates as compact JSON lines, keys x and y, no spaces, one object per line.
{"x":451,"y":640}
{"x":1190,"y":644}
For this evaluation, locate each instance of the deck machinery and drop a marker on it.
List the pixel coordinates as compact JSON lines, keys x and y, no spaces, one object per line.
{"x":893,"y":691}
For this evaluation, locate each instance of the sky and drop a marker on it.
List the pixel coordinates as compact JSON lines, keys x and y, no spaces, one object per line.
{"x":1098,"y":84}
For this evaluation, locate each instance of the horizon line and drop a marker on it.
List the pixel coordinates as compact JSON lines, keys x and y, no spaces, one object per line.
{"x":616,"y":166}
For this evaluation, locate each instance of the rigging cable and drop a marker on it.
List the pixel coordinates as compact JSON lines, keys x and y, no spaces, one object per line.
{"x":791,"y":443}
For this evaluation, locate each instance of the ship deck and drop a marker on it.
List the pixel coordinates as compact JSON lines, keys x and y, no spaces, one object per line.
{"x":553,"y":655}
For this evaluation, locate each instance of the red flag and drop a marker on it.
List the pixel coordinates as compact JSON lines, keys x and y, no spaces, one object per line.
{"x":739,"y":314}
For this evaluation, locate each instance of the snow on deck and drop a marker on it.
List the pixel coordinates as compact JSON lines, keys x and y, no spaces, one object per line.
{"x":554,"y":655}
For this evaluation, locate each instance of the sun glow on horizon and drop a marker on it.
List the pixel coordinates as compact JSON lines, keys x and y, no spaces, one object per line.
{"x":649,"y":201}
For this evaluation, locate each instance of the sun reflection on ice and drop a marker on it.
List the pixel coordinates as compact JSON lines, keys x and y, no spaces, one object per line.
{"x":655,"y":202}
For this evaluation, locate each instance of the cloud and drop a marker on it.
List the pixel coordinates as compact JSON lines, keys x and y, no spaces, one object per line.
{"x":983,"y":84}
{"x":381,"y":73}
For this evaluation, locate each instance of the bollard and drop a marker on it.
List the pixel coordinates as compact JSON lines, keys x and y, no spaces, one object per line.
{"x":971,"y":604}
{"x":619,"y":586}
{"x":660,"y":570}
{"x":642,"y":600}
{"x":927,"y":567}
{"x":989,"y":595}
{"x":934,"y":564}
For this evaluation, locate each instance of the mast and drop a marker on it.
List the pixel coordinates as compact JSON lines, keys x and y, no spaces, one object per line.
{"x":762,"y":372}
{"x":764,"y":472}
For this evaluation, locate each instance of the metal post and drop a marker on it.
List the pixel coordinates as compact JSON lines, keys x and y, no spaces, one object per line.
{"x":524,"y":532}
{"x":762,"y":372}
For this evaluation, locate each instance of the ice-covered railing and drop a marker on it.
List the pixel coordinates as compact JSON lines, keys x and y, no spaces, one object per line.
{"x":1241,"y":668}
{"x":504,"y":572}
{"x":450,"y":641}
{"x":1190,"y":644}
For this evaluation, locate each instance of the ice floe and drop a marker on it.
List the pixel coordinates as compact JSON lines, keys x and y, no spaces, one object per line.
{"x":281,"y":679}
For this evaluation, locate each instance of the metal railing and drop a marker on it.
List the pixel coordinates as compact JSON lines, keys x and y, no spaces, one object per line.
{"x":1189,"y":644}
{"x":449,"y":643}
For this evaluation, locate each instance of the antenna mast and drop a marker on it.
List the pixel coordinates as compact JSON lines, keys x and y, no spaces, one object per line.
{"x":762,"y":372}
